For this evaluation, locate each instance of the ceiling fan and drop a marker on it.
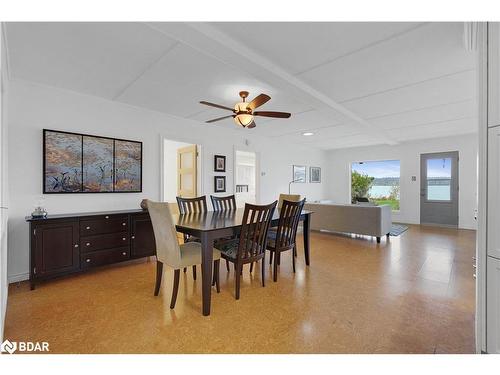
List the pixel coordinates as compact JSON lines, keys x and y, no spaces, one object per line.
{"x":244,"y":112}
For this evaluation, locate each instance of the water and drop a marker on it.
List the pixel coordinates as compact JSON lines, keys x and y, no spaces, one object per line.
{"x":435,"y":192}
{"x":438,"y":192}
{"x":380,"y":191}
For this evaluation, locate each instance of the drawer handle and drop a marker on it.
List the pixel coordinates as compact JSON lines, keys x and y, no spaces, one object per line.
{"x":124,"y":253}
{"x":124,"y":238}
{"x":106,"y":217}
{"x":87,"y":244}
{"x":87,"y":228}
{"x":87,"y":260}
{"x":76,"y":245}
{"x":132,"y":237}
{"x":124,"y":224}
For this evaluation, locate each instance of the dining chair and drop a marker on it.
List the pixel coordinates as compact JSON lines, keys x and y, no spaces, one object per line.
{"x":285,"y":236}
{"x":291,"y":198}
{"x":288,"y":197}
{"x":192,"y":206}
{"x":250,"y":245}
{"x":169,"y":252}
{"x":221,"y":204}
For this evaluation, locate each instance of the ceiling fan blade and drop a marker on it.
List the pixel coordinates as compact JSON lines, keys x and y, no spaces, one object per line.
{"x":217,"y":105}
{"x":252,"y":125}
{"x":218,"y":119}
{"x":272,"y":114}
{"x":258,"y":101}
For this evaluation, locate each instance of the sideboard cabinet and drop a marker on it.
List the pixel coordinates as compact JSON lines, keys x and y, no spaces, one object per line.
{"x":65,"y":244}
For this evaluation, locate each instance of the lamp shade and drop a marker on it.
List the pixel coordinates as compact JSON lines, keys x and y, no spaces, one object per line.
{"x":242,"y":118}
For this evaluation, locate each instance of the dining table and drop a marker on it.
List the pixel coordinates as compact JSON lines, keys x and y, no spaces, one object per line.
{"x":212,"y":225}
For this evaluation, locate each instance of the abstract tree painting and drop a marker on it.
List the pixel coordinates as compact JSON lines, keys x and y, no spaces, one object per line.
{"x":97,"y":164}
{"x":79,"y":163}
{"x":128,"y":162}
{"x":63,"y":162}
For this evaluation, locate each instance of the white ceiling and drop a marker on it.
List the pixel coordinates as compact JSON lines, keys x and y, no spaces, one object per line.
{"x":352,"y":84}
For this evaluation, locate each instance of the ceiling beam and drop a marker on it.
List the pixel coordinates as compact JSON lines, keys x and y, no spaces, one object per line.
{"x":211,"y":41}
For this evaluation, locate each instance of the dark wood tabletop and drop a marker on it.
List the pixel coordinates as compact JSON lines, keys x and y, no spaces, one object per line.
{"x":212,"y":220}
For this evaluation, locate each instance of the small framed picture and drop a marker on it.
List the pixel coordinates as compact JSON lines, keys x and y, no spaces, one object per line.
{"x":219,"y":163}
{"x":219,"y":184}
{"x":315,"y":175}
{"x":299,"y":173}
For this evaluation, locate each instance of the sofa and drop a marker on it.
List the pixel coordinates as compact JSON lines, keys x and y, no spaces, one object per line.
{"x":368,"y":220}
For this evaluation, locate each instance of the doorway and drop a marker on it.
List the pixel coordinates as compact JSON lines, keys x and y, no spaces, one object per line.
{"x":245,"y":177}
{"x":439,"y":189}
{"x":181,"y":170}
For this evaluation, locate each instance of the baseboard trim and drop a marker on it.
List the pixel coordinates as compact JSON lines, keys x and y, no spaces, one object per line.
{"x":19,"y":277}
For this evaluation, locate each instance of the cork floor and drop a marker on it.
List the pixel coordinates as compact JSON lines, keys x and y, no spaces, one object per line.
{"x":414,"y":294}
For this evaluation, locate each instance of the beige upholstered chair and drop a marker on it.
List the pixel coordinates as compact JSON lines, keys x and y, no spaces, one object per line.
{"x":169,"y":252}
{"x":288,"y":197}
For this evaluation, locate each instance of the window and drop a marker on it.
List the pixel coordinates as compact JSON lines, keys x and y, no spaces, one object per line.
{"x":439,"y":179}
{"x":376,"y":180}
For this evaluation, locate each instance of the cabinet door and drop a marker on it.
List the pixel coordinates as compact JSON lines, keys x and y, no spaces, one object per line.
{"x":493,"y":306}
{"x":142,"y":240}
{"x":493,"y":234}
{"x":493,"y":73}
{"x":56,"y":249}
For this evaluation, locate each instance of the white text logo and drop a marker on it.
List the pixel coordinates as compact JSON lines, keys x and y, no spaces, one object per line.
{"x":22,"y":346}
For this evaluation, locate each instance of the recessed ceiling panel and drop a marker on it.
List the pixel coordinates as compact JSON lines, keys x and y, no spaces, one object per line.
{"x":93,"y":58}
{"x":448,"y":89}
{"x":434,"y":114}
{"x":427,"y":52}
{"x":297,"y":46}
{"x":448,"y":128}
{"x":185,"y":76}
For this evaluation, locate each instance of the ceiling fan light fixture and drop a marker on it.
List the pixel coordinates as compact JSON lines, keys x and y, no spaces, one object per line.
{"x":243,"y":119}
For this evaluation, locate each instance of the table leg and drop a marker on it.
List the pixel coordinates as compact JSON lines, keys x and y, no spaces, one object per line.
{"x":206,"y":270}
{"x":307,"y":229}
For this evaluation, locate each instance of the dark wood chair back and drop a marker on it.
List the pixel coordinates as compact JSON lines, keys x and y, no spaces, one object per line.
{"x":192,"y":205}
{"x":223,"y":203}
{"x":253,"y":235}
{"x":288,"y":224}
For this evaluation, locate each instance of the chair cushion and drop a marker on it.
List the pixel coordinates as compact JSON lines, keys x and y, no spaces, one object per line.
{"x":229,"y":248}
{"x":191,"y":254}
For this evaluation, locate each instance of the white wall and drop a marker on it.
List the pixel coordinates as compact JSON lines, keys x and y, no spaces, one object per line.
{"x":4,"y":85}
{"x":408,"y":153}
{"x":34,"y":107}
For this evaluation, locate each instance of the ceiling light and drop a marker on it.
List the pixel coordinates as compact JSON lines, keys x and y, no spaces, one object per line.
{"x":243,"y":120}
{"x":307,"y":134}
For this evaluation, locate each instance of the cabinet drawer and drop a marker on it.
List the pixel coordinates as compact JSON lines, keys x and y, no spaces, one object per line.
{"x":103,"y":241}
{"x":104,"y":224}
{"x":100,"y":258}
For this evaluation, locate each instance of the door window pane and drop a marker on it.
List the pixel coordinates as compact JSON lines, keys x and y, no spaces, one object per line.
{"x":439,"y":179}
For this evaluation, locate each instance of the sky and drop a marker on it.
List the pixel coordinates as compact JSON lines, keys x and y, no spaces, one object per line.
{"x":439,"y":167}
{"x":378,"y":169}
{"x":391,"y":168}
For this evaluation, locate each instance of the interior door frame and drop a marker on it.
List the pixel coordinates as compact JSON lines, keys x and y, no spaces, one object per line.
{"x":423,"y":194}
{"x":201,"y":169}
{"x":257,"y":170}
